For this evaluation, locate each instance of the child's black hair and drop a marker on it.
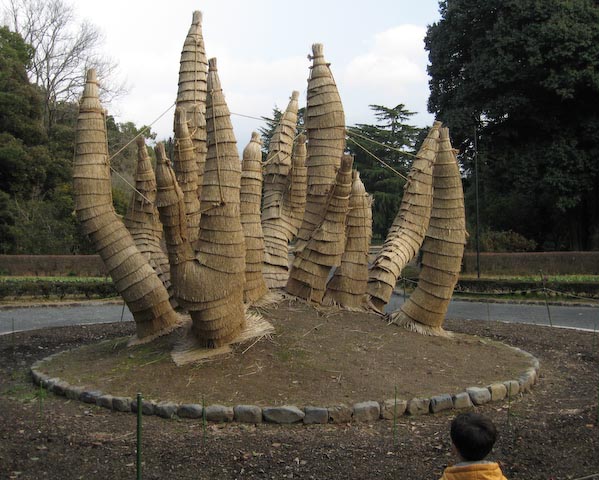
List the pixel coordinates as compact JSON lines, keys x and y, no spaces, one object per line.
{"x":473,"y":435}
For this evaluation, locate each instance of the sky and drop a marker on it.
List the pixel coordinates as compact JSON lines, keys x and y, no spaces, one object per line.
{"x":376,"y":53}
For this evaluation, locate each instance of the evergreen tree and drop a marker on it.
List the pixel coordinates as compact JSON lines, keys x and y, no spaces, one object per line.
{"x":523,"y":75}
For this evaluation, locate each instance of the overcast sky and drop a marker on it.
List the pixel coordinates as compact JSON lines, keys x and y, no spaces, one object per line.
{"x":376,"y":53}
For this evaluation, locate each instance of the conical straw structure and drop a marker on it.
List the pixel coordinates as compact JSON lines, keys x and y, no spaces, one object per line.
{"x":311,"y":266}
{"x":133,"y":276}
{"x":325,"y":127}
{"x":347,"y":287}
{"x":142,"y":218}
{"x":251,"y":198}
{"x":442,"y":249}
{"x":186,"y":172}
{"x":191,"y":95}
{"x":409,"y":227}
{"x":276,"y":224}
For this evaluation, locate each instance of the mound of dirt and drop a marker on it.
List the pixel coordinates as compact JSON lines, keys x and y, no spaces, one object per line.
{"x":312,"y":358}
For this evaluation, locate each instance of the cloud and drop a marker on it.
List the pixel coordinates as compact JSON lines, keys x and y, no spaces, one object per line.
{"x":393,"y":71}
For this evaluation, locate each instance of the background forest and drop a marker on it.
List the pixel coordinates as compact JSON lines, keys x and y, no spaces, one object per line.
{"x":516,"y":81}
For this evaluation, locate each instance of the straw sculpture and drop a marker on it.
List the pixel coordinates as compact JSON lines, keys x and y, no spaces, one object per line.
{"x":209,"y":279}
{"x":186,"y":172}
{"x":191,"y":96}
{"x":442,"y":249}
{"x":325,"y":127}
{"x":409,"y":227}
{"x":311,"y":266}
{"x":294,"y":204}
{"x":142,"y":219}
{"x":133,"y":276}
{"x":251,"y":198}
{"x":276,"y":225}
{"x":347,"y":287}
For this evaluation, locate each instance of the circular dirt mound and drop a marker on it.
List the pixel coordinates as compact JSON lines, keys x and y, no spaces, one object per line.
{"x":311,"y":359}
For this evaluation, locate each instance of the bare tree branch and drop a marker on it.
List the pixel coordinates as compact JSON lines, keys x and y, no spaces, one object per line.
{"x":65,"y":49}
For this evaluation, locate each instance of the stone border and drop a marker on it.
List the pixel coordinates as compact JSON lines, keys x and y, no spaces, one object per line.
{"x":367,"y":411}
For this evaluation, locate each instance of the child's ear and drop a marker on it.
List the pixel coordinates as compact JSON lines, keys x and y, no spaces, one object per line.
{"x":454,"y":450}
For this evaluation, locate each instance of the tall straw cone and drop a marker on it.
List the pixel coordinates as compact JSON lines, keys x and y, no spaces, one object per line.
{"x":251,"y":197}
{"x":191,"y":95}
{"x":409,"y":227}
{"x":426,"y":308}
{"x":142,"y":218}
{"x":276,"y":224}
{"x":347,"y":287}
{"x":133,"y":276}
{"x":311,"y":266}
{"x":325,"y":128}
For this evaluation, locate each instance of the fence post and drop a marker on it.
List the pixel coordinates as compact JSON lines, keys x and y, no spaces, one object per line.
{"x":139,"y":408}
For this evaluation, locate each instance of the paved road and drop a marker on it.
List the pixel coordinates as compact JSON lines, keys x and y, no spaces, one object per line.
{"x":32,"y":318}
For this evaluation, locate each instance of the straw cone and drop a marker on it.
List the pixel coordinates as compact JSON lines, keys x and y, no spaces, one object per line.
{"x":276,"y":223}
{"x":133,"y":276}
{"x":142,"y":219}
{"x":425,"y":310}
{"x":409,"y":227}
{"x":311,"y":266}
{"x":186,"y":172}
{"x":251,"y":197}
{"x":191,"y":95}
{"x":347,"y":287}
{"x":325,"y":127}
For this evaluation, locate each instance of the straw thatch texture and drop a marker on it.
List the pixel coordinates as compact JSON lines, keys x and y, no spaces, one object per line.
{"x":442,"y":249}
{"x":311,"y":266}
{"x":347,"y":287}
{"x":251,"y":198}
{"x":191,"y":96}
{"x":133,"y":276}
{"x":276,"y":224}
{"x":294,"y":204}
{"x":325,"y":127}
{"x":221,"y":246}
{"x":186,"y":172}
{"x":142,"y":219}
{"x":409,"y":227}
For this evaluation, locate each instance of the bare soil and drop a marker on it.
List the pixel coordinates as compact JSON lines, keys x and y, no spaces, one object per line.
{"x":311,"y":359}
{"x":551,"y":433}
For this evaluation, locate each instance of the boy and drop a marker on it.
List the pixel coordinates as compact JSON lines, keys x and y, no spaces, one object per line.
{"x":473,"y":437}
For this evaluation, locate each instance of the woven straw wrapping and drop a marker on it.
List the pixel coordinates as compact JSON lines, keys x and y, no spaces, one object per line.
{"x":311,"y":266}
{"x":251,"y":197}
{"x":142,"y":219}
{"x":191,"y":96}
{"x":276,"y":225}
{"x":347,"y":287}
{"x":409,"y":226}
{"x":221,"y":317}
{"x":325,"y":128}
{"x":186,"y":172}
{"x":133,"y":276}
{"x":443,"y":248}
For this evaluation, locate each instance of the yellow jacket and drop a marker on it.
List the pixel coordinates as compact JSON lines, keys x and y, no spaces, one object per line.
{"x":475,"y":471}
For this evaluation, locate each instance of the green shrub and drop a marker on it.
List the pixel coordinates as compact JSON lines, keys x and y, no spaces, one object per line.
{"x":502,"y":241}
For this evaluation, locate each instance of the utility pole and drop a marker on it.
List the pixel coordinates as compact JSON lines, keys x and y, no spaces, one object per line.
{"x":476,"y":200}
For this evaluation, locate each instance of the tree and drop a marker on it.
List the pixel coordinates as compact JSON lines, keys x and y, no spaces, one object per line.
{"x":63,"y":50}
{"x":522,"y":74}
{"x":383,"y":140}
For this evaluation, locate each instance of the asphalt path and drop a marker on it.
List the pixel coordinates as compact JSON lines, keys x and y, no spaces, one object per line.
{"x":36,"y":317}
